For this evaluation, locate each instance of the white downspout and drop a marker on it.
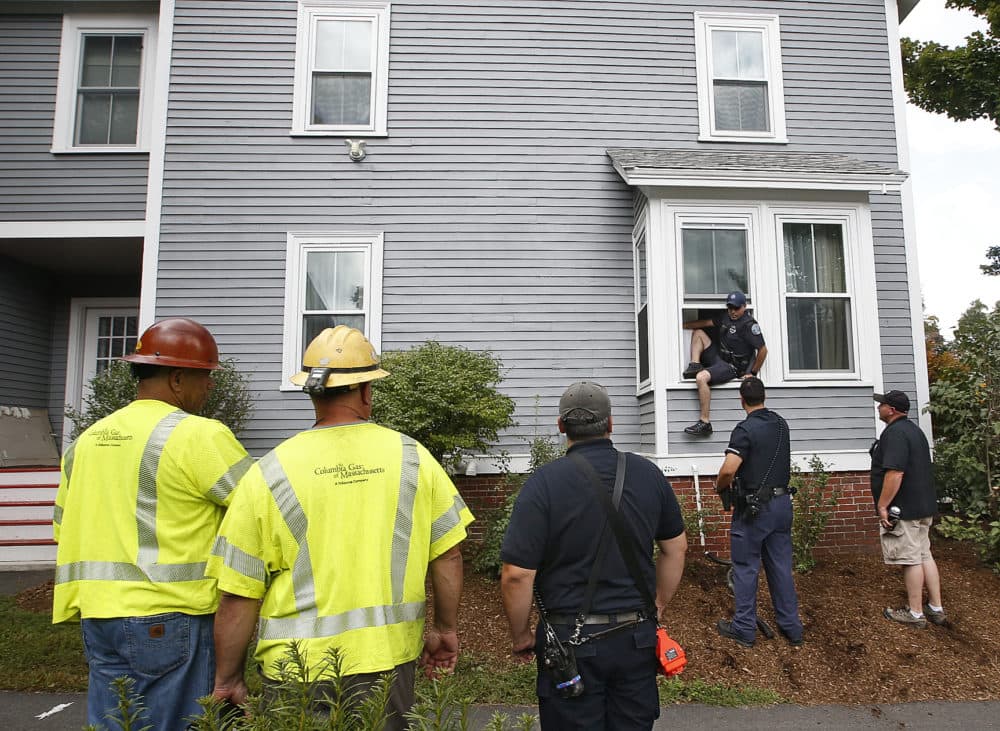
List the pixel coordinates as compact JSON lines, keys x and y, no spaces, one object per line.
{"x":697,"y":502}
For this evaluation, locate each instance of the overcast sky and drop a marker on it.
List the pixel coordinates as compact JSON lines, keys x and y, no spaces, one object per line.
{"x":956,"y":185}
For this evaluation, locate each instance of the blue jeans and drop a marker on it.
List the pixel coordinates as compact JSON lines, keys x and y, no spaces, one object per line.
{"x":170,"y":656}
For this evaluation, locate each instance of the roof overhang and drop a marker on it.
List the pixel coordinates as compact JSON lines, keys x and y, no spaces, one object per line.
{"x":664,"y":168}
{"x":905,"y":6}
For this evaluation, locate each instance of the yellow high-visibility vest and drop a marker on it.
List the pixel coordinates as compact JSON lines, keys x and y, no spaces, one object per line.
{"x":141,"y":497}
{"x":334,"y":529}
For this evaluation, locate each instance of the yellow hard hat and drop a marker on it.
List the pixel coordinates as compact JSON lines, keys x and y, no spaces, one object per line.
{"x":338,"y":356}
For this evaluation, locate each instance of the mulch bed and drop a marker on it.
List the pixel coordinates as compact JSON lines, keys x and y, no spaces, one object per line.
{"x":852,"y":655}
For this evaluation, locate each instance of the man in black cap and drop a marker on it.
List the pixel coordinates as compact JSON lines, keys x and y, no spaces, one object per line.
{"x":901,"y":478}
{"x":738,"y":353}
{"x":558,"y":532}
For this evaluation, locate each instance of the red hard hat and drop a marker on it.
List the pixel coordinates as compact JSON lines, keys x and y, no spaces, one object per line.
{"x":176,"y":343}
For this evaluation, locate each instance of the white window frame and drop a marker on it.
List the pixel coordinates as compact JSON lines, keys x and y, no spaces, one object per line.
{"x":766,"y":24}
{"x":640,"y":238}
{"x":312,"y":11}
{"x":75,"y":27}
{"x":766,"y":275}
{"x":299,"y":245}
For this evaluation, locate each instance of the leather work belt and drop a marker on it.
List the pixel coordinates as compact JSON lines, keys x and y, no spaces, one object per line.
{"x":779,"y":491}
{"x":620,"y":618}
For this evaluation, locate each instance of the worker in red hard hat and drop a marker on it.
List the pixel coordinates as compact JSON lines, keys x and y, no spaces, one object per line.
{"x":141,"y":496}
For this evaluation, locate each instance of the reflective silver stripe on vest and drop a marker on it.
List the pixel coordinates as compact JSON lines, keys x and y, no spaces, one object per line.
{"x":239,"y":560}
{"x":57,"y":513}
{"x":145,"y":499}
{"x":303,"y":583}
{"x":224,"y":485}
{"x":118,"y":571}
{"x":145,"y":516}
{"x":68,"y":460}
{"x":403,"y":526}
{"x":449,"y":520}
{"x":315,"y":627}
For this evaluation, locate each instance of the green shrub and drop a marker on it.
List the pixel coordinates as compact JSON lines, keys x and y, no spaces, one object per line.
{"x":984,"y":534}
{"x":695,"y":520}
{"x":445,"y":397}
{"x":541,"y":451}
{"x":812,"y":507}
{"x":229,"y":401}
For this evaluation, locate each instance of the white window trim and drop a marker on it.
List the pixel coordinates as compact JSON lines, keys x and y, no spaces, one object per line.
{"x":768,"y":24}
{"x":378,"y":11}
{"x":854,"y":245}
{"x":766,"y":276}
{"x":75,"y":25}
{"x":640,"y":234}
{"x":299,"y":244}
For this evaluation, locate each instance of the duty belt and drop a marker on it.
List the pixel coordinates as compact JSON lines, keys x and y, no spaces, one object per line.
{"x":619,"y":618}
{"x":775,"y":491}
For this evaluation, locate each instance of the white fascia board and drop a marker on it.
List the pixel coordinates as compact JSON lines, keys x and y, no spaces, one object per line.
{"x":71,"y":229}
{"x":651,"y":177}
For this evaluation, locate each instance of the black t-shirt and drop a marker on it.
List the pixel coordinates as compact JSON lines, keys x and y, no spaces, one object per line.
{"x":742,"y":338}
{"x":759,"y":439}
{"x":557,"y":522}
{"x":904,"y":447}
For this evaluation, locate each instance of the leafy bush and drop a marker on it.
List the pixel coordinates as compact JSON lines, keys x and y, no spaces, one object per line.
{"x":541,"y":451}
{"x":985,"y":535}
{"x":695,"y":520}
{"x":445,"y":397}
{"x":812,"y":506}
{"x":229,"y":401}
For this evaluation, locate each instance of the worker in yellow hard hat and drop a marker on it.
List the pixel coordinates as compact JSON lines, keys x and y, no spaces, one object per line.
{"x":336,"y":530}
{"x":141,"y":497}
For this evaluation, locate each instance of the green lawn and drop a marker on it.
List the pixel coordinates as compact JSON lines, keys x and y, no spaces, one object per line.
{"x":37,"y":655}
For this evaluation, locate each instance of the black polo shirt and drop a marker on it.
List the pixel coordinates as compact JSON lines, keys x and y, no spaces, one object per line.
{"x":760,"y":439}
{"x":557,"y":522}
{"x":904,"y":447}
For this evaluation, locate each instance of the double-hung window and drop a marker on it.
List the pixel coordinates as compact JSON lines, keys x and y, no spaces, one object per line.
{"x":817,"y":296}
{"x":341,"y":68}
{"x":641,"y":305}
{"x":331,"y":279}
{"x":106,"y":76}
{"x":740,"y":90}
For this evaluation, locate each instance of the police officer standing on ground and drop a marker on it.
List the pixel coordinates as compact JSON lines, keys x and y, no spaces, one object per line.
{"x":739,"y":353}
{"x":901,"y":477}
{"x":551,"y":544}
{"x":140,"y":499}
{"x":757,"y":469}
{"x":335,"y":529}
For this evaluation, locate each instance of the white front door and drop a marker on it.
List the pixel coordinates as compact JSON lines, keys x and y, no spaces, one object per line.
{"x":100,"y":332}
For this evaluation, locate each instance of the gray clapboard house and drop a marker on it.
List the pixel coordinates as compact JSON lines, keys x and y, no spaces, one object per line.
{"x":563,"y":182}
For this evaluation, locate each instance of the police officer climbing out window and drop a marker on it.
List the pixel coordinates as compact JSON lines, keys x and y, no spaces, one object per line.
{"x":756,"y":471}
{"x":738,"y":353}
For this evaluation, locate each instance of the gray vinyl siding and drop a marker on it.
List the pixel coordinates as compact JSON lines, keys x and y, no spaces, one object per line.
{"x":647,"y":423}
{"x":820,"y":419}
{"x":25,"y":331}
{"x":505,"y":226}
{"x":35,"y":184}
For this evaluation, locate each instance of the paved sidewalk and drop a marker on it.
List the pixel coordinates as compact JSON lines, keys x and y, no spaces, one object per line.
{"x":20,"y":711}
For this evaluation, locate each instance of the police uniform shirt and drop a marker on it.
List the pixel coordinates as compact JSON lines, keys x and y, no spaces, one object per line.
{"x":904,"y":447}
{"x":756,"y":441}
{"x":741,"y":337}
{"x":557,"y":522}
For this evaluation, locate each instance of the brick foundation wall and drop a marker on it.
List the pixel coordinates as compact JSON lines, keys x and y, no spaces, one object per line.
{"x":851,"y":528}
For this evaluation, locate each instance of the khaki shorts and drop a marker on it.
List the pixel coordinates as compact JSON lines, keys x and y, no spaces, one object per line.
{"x":908,"y":543}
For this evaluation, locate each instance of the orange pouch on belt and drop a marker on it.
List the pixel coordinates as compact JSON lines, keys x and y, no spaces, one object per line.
{"x":669,"y":654}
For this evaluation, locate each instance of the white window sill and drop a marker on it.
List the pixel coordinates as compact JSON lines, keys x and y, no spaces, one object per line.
{"x":336,"y":133}
{"x":98,"y":150}
{"x":742,"y":138}
{"x":690,"y":385}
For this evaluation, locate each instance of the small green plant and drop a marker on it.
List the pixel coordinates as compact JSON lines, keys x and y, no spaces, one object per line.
{"x":131,"y":709}
{"x":445,"y":397}
{"x":229,"y":401}
{"x":812,"y":507}
{"x":983,"y":533}
{"x":542,"y":450}
{"x":678,"y":690}
{"x":695,"y":520}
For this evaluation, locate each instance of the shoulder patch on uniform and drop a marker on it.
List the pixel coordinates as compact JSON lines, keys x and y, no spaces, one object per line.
{"x":755,"y":329}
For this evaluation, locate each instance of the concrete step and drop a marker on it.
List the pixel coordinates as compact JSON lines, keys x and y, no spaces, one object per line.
{"x":25,"y":556}
{"x":18,"y":532}
{"x":26,"y":511}
{"x":27,"y":493}
{"x":29,"y":476}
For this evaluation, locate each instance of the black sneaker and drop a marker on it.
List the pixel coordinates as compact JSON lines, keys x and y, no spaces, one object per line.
{"x":699,"y":428}
{"x":792,"y":639}
{"x":725,"y":628}
{"x":693,"y":368}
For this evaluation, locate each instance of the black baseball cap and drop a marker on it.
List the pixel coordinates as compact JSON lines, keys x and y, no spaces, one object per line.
{"x":896,"y":399}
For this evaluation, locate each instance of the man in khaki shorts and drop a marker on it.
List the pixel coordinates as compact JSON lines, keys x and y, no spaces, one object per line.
{"x":901,"y":478}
